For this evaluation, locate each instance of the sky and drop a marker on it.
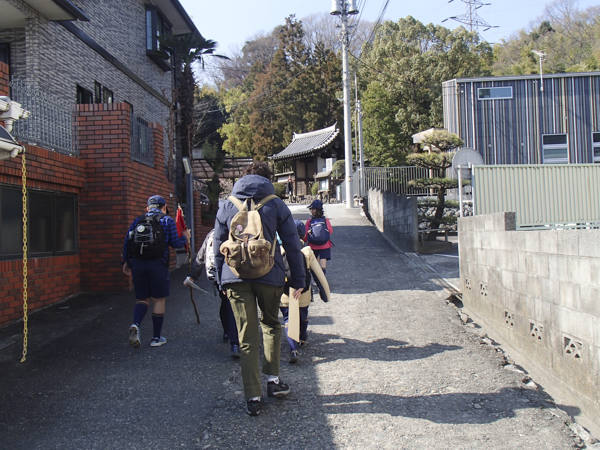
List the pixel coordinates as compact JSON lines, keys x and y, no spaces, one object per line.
{"x":232,"y":22}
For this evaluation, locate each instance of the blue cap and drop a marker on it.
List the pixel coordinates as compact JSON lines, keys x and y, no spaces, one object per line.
{"x":156,"y":200}
{"x":316,"y":204}
{"x":301,"y":228}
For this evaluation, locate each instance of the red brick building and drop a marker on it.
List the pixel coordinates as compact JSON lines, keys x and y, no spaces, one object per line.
{"x":79,"y":209}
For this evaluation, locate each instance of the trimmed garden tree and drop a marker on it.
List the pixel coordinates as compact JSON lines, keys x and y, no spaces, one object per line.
{"x":437,"y":156}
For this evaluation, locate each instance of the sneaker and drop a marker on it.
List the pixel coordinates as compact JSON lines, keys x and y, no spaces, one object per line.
{"x":134,"y":336}
{"x":157,"y":342}
{"x":235,"y":351}
{"x":294,"y":355}
{"x":277,"y":389}
{"x":253,"y":407}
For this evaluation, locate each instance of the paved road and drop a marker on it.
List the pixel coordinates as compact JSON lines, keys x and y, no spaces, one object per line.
{"x":389,"y":365}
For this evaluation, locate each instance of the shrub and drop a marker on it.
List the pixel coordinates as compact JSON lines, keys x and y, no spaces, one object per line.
{"x":314,"y":189}
{"x":280,"y":190}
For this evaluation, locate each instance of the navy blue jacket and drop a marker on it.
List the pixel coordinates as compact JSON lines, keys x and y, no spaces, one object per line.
{"x":276,"y":218}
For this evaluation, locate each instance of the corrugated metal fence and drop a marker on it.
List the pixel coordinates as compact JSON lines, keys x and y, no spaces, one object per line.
{"x":556,"y":196}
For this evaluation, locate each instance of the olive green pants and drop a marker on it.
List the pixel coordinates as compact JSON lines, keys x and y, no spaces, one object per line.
{"x":244,"y":298}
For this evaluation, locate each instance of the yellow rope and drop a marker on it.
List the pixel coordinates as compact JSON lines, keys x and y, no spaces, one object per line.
{"x":24,"y":172}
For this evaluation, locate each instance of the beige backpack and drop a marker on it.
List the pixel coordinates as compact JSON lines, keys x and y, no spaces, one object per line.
{"x":246,"y":250}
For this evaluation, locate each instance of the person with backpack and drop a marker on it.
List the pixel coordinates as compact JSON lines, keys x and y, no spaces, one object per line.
{"x":250,"y":268}
{"x":311,"y":265}
{"x":205,"y":260}
{"x":318,"y":232}
{"x":146,"y":260}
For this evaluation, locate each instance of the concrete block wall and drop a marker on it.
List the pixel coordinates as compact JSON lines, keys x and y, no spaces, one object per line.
{"x":396,"y":216}
{"x":538,"y":291}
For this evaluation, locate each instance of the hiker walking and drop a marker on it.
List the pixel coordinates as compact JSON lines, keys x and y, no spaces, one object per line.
{"x":205,"y":260}
{"x":250,"y":219}
{"x":312,"y":265}
{"x":318,"y":232}
{"x":146,"y":259}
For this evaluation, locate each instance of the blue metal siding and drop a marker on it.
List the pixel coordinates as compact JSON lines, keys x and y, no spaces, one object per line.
{"x":509,"y":131}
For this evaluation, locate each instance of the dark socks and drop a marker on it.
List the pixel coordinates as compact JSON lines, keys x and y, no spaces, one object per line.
{"x":139,"y":311}
{"x":157,"y":321}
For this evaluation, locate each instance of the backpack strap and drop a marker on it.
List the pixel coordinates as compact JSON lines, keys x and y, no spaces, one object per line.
{"x":264,"y":201}
{"x":237,"y":202}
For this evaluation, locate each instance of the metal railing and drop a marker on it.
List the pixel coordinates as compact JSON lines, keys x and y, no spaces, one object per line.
{"x":142,"y":148}
{"x":389,"y":179}
{"x":52,"y":123}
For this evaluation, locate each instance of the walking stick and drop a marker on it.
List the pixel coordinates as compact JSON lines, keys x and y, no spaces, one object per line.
{"x":180,"y":222}
{"x":191,"y":290}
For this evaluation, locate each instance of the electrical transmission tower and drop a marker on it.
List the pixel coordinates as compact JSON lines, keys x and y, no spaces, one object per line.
{"x":471,"y":18}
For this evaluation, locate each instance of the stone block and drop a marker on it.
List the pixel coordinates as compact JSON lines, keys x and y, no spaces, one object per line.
{"x":589,"y":300}
{"x":532,"y":241}
{"x":583,"y":276}
{"x":508,"y":280}
{"x":595,"y":272}
{"x":515,"y":240}
{"x":505,"y":221}
{"x":481,"y":256}
{"x":534,"y":286}
{"x":521,"y":286}
{"x":549,"y":241}
{"x":589,"y":243}
{"x":522,"y":259}
{"x":550,"y":290}
{"x":575,"y":323}
{"x":569,"y":294}
{"x":537,"y":264}
{"x":568,"y":243}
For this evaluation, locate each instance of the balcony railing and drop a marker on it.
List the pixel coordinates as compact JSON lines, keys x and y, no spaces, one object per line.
{"x":52,"y":123}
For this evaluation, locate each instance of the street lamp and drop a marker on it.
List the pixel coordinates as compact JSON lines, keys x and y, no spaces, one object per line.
{"x":541,"y":56}
{"x":344,"y":8}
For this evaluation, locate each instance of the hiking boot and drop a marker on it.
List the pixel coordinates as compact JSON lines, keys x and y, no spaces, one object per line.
{"x":134,"y":336}
{"x":253,"y":407}
{"x":157,"y":342}
{"x":277,"y":389}
{"x":235,"y":351}
{"x":294,"y":355}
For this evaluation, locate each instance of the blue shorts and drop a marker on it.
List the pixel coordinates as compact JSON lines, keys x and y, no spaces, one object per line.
{"x":150,"y":278}
{"x":323,"y":254}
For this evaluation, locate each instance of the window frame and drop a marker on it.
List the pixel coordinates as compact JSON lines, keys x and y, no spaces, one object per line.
{"x":596,"y":146}
{"x":81,"y":92}
{"x":53,"y":216}
{"x":155,"y":19}
{"x":107,"y":95}
{"x":560,"y":146}
{"x":492,"y":88}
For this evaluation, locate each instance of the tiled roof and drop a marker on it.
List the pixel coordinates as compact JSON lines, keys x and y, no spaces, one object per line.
{"x":306,"y":143}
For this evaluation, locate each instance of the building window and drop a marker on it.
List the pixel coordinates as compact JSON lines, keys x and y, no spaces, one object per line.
{"x":156,"y":26}
{"x":52,"y":223}
{"x":5,"y":53}
{"x":555,"y":149}
{"x":596,"y":147}
{"x":495,"y":93}
{"x":97,"y":92}
{"x":107,"y":95}
{"x":84,"y":96}
{"x":141,"y":141}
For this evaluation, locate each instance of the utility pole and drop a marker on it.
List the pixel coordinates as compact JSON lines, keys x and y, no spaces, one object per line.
{"x":360,"y":150}
{"x":344,"y":8}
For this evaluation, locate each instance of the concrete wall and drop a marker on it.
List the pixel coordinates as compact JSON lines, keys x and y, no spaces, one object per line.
{"x":538,"y":292}
{"x":395,"y":216}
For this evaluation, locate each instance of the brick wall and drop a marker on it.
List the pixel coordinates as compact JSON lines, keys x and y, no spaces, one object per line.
{"x":49,"y":279}
{"x":117,"y":190}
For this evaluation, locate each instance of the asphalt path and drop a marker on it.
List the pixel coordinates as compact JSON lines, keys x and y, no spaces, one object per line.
{"x":389,"y":365}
